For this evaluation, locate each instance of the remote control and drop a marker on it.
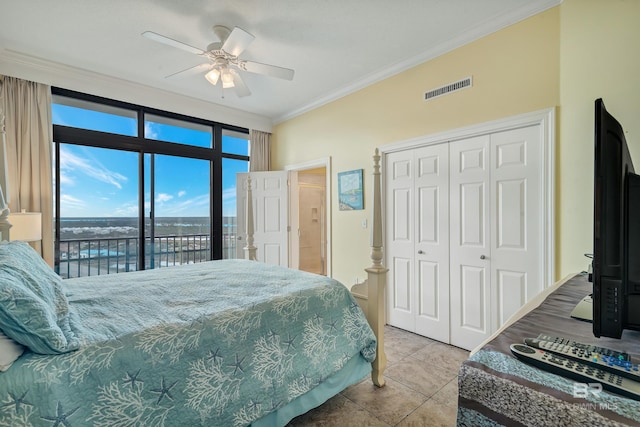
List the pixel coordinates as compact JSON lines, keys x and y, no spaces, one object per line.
{"x":624,"y":368}
{"x":576,"y":370}
{"x":586,"y":347}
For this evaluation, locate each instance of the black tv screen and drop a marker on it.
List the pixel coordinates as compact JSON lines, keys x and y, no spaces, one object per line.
{"x":616,"y":257}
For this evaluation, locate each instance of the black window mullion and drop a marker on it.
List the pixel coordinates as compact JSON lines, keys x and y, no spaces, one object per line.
{"x":216,"y":195}
{"x":180,"y":150}
{"x":92,"y":138}
{"x":56,"y":231}
{"x":141,"y":214}
{"x":235,"y":157}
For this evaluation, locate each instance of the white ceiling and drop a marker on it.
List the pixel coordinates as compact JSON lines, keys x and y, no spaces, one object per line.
{"x":334,"y":46}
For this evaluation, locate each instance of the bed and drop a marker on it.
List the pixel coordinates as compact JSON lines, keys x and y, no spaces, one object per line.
{"x":229,"y":342}
{"x":496,"y":389}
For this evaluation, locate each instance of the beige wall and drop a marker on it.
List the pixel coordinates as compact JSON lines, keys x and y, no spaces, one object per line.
{"x":515,"y":70}
{"x":599,"y":59}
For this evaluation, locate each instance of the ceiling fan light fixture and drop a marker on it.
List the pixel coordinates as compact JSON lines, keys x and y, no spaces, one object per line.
{"x":213,"y":76}
{"x":223,"y":62}
{"x":227,"y":79}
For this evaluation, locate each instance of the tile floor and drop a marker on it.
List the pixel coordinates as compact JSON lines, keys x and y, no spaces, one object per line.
{"x":421,"y":389}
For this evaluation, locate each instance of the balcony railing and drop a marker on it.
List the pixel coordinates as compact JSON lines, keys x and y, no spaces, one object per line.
{"x":91,"y":257}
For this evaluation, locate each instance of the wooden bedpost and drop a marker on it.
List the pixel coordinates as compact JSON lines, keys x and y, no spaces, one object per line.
{"x":377,"y":279}
{"x":250,"y":249}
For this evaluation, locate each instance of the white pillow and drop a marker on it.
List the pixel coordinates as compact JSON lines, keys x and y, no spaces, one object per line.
{"x":9,"y":351}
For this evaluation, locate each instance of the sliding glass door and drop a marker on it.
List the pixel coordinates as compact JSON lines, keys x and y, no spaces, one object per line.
{"x":177,"y":210}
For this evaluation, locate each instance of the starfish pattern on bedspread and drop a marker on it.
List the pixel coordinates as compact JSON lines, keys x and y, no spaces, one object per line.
{"x":133,"y":380}
{"x":237,"y":365}
{"x":332,"y":325}
{"x":253,"y":404}
{"x":290,"y":342}
{"x":17,"y":401}
{"x":214,"y":355}
{"x":61,"y":416}
{"x":164,"y":390}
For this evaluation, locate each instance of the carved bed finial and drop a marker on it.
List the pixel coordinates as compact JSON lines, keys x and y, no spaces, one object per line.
{"x":376,"y":232}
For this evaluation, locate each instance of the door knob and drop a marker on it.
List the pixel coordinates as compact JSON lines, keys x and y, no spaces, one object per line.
{"x":482,"y":257}
{"x":420,"y":251}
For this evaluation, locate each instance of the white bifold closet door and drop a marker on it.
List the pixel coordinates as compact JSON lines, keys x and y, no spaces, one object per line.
{"x":418,"y":239}
{"x":464,"y":226}
{"x":517,"y":212}
{"x":496,"y":259}
{"x":470,"y":241}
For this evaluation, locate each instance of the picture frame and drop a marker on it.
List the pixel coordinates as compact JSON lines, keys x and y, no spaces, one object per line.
{"x":350,"y":190}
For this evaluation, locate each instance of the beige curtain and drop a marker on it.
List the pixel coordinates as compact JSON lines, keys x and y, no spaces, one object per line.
{"x":27,"y":109}
{"x":4,"y":194}
{"x":260,"y":151}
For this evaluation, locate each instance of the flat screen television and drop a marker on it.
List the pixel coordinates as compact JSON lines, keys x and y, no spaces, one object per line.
{"x":616,"y":256}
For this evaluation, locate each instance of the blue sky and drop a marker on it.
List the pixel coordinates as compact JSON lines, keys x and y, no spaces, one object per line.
{"x":98,"y":182}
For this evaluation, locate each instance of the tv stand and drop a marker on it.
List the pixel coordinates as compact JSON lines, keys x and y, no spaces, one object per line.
{"x":584,"y":309}
{"x":495,"y":388}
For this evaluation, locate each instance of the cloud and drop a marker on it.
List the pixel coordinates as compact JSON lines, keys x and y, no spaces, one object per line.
{"x":198,"y":205}
{"x":228,"y":194}
{"x":125,"y":210}
{"x":69,"y":201}
{"x":92,"y":168}
{"x":150,"y":131}
{"x":66,"y":179}
{"x":181,"y":193}
{"x":163,"y":197}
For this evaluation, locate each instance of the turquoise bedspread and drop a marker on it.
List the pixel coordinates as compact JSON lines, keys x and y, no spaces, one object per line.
{"x":221,"y":343}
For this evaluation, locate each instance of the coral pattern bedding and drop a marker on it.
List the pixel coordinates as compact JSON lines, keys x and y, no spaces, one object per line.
{"x":219,"y":343}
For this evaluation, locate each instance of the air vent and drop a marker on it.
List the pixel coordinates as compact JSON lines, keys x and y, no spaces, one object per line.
{"x":452,"y":87}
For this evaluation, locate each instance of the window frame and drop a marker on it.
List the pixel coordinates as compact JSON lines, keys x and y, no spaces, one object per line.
{"x":92,"y":138}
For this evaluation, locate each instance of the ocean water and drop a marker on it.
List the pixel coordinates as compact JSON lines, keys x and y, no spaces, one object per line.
{"x":106,"y":227}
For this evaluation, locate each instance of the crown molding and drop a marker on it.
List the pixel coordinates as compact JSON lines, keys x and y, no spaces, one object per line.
{"x":36,"y":69}
{"x":473,"y":34}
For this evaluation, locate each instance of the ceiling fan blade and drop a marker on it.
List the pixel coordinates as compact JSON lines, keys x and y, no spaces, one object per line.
{"x":237,"y":41}
{"x":191,"y":71}
{"x":238,"y":84}
{"x":171,"y":42}
{"x":266,"y":69}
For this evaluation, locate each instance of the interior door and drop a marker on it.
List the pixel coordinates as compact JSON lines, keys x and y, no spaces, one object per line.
{"x":516,"y":246}
{"x":399,"y":238}
{"x":270,"y":218}
{"x":470,"y":287}
{"x":431,"y":250}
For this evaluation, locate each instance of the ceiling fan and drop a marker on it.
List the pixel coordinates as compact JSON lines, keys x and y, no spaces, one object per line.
{"x":223,"y":64}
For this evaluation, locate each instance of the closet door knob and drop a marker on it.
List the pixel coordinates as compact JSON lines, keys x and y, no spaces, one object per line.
{"x":482,"y":257}
{"x":420,"y":251}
